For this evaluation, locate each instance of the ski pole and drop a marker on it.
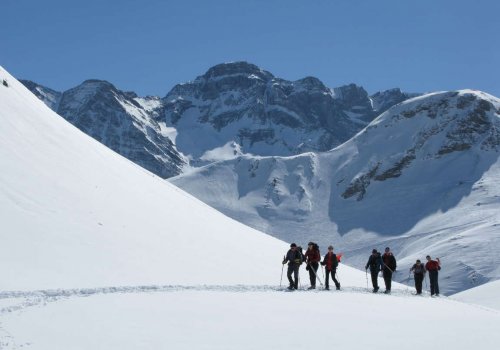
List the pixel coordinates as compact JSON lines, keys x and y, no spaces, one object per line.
{"x":338,"y":278}
{"x":282,"y":267}
{"x":322,"y":272}
{"x":315,"y":274}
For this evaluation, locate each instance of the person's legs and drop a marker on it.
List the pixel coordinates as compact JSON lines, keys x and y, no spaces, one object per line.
{"x":296,"y":275}
{"x":418,"y":282}
{"x":436,"y":283}
{"x":374,"y":279}
{"x":337,"y":284}
{"x":432,"y":281}
{"x":327,"y":279}
{"x":289,"y":272}
{"x":387,"y":279}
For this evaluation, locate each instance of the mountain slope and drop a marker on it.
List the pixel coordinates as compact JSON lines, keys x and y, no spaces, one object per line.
{"x":120,"y":120}
{"x":98,"y":253}
{"x":485,"y":295}
{"x":421,"y":178}
{"x":76,"y":214}
{"x":234,"y":108}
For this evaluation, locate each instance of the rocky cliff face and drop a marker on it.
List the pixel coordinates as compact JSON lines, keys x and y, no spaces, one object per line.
{"x":233,"y":109}
{"x":266,"y":115}
{"x":120,"y":120}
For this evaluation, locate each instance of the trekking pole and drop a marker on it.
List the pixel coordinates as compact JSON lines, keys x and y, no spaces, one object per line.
{"x":338,"y":278}
{"x":282,"y":267}
{"x":322,"y":272}
{"x":315,"y":274}
{"x":366,"y":271}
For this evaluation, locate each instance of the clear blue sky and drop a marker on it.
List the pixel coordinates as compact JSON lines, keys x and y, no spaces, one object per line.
{"x":150,"y":45}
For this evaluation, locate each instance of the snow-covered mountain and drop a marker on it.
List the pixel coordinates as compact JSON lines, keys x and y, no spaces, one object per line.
{"x":422,"y":178}
{"x":233,"y":109}
{"x":241,"y":104}
{"x":98,"y":253}
{"x":120,"y":120}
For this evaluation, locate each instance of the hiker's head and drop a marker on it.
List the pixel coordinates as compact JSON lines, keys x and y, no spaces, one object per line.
{"x":418,"y":261}
{"x":428,"y":257}
{"x":310,"y":245}
{"x":374,"y":251}
{"x":293,"y":246}
{"x":387,"y":249}
{"x":330,"y":248}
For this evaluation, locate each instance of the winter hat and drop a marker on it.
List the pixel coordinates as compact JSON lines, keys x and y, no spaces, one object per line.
{"x":374,"y":251}
{"x":330,"y":247}
{"x":310,"y":243}
{"x":293,"y":245}
{"x":387,"y":248}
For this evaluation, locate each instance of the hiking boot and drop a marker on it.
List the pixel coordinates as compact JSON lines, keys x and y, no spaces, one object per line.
{"x":327,"y":288}
{"x":312,"y":287}
{"x":291,"y":287}
{"x":387,"y":291}
{"x":375,"y":290}
{"x":338,"y":287}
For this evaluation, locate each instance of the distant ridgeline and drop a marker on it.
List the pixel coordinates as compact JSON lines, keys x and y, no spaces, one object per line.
{"x":233,"y":109}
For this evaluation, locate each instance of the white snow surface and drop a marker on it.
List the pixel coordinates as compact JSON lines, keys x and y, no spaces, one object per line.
{"x":487,"y":295}
{"x":98,"y":253}
{"x":428,"y":193}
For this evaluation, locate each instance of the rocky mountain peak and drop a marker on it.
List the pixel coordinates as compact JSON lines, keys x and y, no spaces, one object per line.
{"x":236,"y":68}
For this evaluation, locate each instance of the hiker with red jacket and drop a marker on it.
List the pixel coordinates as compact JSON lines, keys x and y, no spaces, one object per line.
{"x":418,"y":270}
{"x":433,"y":266}
{"x":313,"y":258}
{"x":388,"y":268}
{"x":330,"y":262}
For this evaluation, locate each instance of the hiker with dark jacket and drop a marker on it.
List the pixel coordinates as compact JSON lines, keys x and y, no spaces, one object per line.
{"x":330,"y":262}
{"x":418,"y":270}
{"x":433,"y":266}
{"x":294,"y":259}
{"x":388,"y":268}
{"x":375,"y":265}
{"x":313,"y":258}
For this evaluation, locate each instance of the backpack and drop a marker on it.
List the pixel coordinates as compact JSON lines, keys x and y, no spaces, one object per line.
{"x":301,"y":253}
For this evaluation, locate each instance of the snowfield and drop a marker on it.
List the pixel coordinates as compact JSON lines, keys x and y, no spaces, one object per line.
{"x":97,"y":253}
{"x":422,"y":178}
{"x":485,"y":295}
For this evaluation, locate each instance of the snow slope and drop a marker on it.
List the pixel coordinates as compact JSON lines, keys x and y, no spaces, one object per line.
{"x":486,"y":295}
{"x":98,"y":253}
{"x":422,"y":178}
{"x":76,"y":214}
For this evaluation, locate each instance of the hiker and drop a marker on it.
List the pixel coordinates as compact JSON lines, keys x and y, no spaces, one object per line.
{"x":388,"y":268}
{"x":418,"y":270}
{"x":375,"y":264}
{"x":330,"y":262}
{"x":433,"y":266}
{"x":294,"y":259}
{"x":313,"y":258}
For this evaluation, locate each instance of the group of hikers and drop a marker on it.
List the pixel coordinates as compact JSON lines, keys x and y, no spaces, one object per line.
{"x":377,"y":262}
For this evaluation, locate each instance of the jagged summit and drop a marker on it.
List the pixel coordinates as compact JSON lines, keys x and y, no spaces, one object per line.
{"x":237,"y":68}
{"x":234,"y":108}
